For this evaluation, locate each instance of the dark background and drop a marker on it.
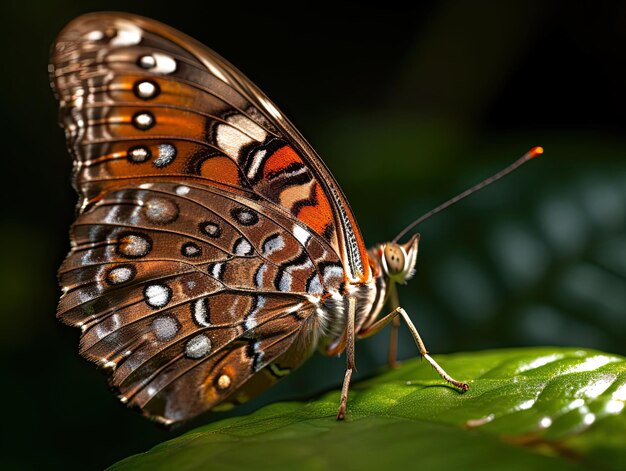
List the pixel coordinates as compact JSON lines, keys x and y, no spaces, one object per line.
{"x":407,"y":107}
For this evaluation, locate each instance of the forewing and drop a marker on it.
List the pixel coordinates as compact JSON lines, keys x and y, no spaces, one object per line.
{"x":142,"y":101}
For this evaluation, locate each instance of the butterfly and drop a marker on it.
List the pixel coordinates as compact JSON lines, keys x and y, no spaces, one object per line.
{"x":213,"y":251}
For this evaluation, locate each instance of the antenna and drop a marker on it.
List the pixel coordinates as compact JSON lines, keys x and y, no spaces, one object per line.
{"x":531,"y":154}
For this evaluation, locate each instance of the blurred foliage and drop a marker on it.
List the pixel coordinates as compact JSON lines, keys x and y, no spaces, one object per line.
{"x":534,"y":408}
{"x":407,"y":107}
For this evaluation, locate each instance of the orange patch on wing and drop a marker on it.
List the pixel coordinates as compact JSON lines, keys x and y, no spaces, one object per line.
{"x":221,"y":169}
{"x":317,"y":217}
{"x":221,"y":382}
{"x":281,"y":159}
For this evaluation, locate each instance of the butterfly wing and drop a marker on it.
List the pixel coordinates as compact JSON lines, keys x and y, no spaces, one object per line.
{"x":133,"y":87}
{"x":207,"y":226}
{"x":172,"y":296}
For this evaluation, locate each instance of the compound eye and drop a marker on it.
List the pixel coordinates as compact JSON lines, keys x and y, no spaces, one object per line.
{"x":394,"y":258}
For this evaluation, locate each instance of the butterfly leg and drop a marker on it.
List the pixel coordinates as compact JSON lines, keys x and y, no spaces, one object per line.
{"x":378,"y":326}
{"x":341,"y":414}
{"x":392,"y":355}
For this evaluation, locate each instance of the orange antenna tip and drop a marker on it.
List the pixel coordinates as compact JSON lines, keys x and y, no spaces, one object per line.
{"x":535,"y":151}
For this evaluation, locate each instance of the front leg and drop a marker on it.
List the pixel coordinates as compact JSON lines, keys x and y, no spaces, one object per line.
{"x":377,"y":326}
{"x":349,"y":358}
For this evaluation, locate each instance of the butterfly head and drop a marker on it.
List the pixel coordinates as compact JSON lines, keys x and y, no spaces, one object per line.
{"x":398,"y":260}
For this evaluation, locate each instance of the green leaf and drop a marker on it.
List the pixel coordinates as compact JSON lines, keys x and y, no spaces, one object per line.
{"x":534,"y":408}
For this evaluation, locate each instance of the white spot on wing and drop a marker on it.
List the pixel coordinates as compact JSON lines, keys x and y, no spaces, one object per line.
{"x":273,"y":245}
{"x":216,"y":270}
{"x":191,"y":250}
{"x":315,"y":287}
{"x":243,"y":247}
{"x":250,"y":322}
{"x":211,"y":229}
{"x":95,"y":35}
{"x":146,"y":89}
{"x":134,"y":245}
{"x":284,"y":284}
{"x":245,"y":217}
{"x":198,"y":347}
{"x":143,"y":121}
{"x":157,"y":295}
{"x":147,"y":62}
{"x":160,"y":210}
{"x":239,"y":132}
{"x":200,"y":312}
{"x":182,"y":190}
{"x":120,"y":275}
{"x":302,"y":235}
{"x":164,"y":64}
{"x":128,"y":34}
{"x":231,"y":140}
{"x":139,"y":154}
{"x":167,"y":152}
{"x":248,"y":126}
{"x":258,"y":279}
{"x":256,"y":162}
{"x":332,"y":273}
{"x":165,"y":328}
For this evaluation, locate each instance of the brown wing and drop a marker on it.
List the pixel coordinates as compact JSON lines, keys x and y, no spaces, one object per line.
{"x":171,"y":296}
{"x":141,"y":100}
{"x":207,"y":231}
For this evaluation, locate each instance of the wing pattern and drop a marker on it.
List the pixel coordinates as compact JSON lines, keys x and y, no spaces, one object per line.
{"x":131,"y":87}
{"x":208,"y":230}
